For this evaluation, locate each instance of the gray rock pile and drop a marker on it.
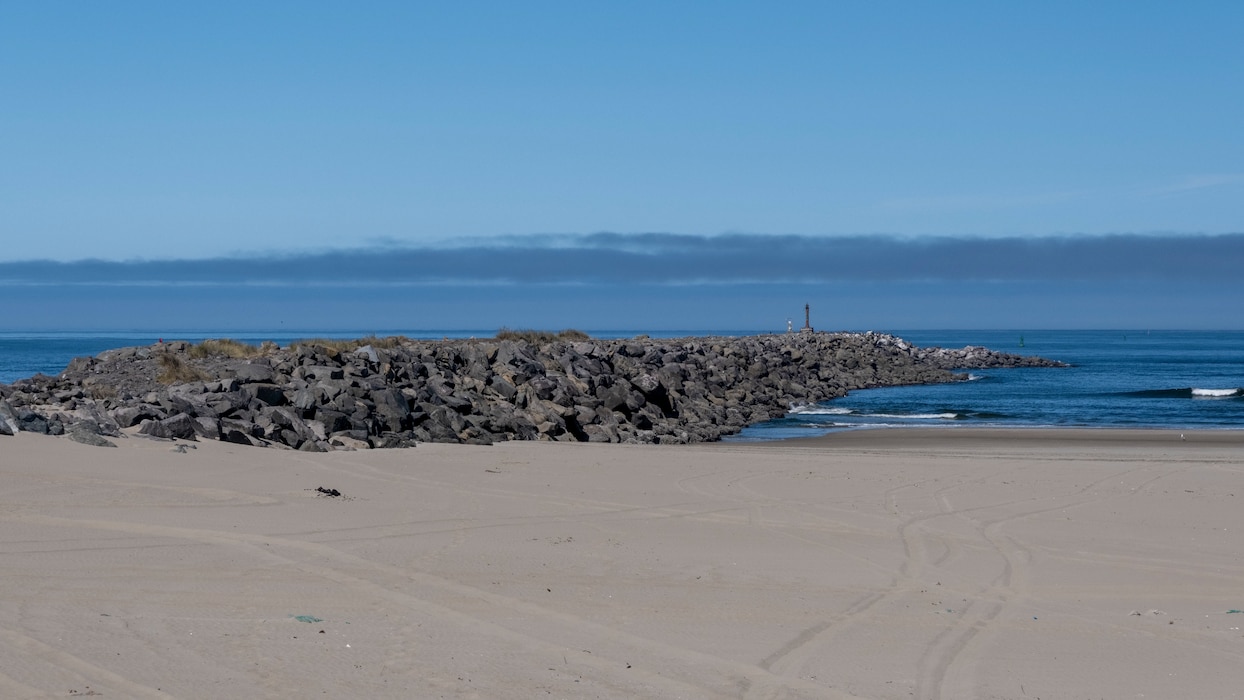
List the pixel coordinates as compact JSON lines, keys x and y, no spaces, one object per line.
{"x":316,"y":398}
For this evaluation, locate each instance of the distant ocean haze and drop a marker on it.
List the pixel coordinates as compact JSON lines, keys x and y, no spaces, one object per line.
{"x":655,"y":281}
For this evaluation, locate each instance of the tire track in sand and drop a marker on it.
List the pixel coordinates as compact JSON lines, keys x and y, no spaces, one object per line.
{"x":676,"y":670}
{"x":937,"y":676}
{"x":87,"y":673}
{"x":921,"y":562}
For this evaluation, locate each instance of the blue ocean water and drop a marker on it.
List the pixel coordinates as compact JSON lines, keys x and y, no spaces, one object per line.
{"x":1168,"y":379}
{"x":1119,"y":379}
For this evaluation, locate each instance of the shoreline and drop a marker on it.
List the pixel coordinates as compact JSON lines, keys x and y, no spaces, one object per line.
{"x":1012,"y":435}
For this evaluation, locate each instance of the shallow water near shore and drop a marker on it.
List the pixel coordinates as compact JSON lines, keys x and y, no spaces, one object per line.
{"x":1161,"y":379}
{"x":1119,"y":379}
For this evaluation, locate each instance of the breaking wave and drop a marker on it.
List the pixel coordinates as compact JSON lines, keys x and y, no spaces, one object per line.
{"x":917,"y":416}
{"x":1187,"y":393}
{"x":814,"y":410}
{"x":1216,"y":393}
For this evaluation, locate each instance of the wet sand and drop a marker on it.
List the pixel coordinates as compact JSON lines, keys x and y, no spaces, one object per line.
{"x":978,"y":564}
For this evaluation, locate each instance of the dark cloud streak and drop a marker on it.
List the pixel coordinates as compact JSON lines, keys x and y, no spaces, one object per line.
{"x":663,"y":259}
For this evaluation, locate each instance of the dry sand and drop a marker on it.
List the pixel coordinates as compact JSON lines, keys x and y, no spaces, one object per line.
{"x":961,"y":564}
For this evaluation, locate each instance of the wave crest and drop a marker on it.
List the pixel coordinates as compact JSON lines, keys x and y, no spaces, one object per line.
{"x":814,"y":410}
{"x":1216,"y":393}
{"x":1187,"y":393}
{"x":917,"y":416}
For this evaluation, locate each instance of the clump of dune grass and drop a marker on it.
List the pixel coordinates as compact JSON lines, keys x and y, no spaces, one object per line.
{"x":228,"y":347}
{"x":174,"y":371}
{"x":348,"y":345}
{"x":541,"y":337}
{"x":386,"y":343}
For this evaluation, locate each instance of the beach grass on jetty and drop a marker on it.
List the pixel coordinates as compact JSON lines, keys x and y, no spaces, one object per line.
{"x":174,"y":371}
{"x":228,"y":347}
{"x":541,"y":337}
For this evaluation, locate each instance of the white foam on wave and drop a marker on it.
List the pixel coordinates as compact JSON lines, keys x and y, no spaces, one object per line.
{"x":975,"y":377}
{"x":879,"y":424}
{"x":814,"y":410}
{"x":916,"y":416}
{"x":1215,"y":393}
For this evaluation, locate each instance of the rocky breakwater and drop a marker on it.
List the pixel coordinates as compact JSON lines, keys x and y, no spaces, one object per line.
{"x":397,"y":392}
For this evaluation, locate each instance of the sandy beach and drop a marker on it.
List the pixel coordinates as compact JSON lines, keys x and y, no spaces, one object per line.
{"x":873,"y":564}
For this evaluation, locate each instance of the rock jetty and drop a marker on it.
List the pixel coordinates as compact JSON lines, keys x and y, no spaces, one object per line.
{"x":397,"y":392}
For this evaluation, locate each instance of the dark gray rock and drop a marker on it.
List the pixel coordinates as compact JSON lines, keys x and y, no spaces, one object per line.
{"x":254,"y":373}
{"x":155,"y":429}
{"x":614,"y":398}
{"x":334,"y":421}
{"x":367,"y":352}
{"x":305,"y":398}
{"x":32,"y":422}
{"x":320,"y":372}
{"x":241,"y":432}
{"x":392,"y":408}
{"x":227,"y":404}
{"x":181,"y":426}
{"x":87,"y":433}
{"x":8,"y":419}
{"x":502,"y":387}
{"x":127,"y":416}
{"x":269,"y":394}
{"x":288,"y":421}
{"x":207,"y":427}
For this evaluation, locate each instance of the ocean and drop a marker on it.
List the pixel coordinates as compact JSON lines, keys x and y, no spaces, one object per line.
{"x":1118,"y":379}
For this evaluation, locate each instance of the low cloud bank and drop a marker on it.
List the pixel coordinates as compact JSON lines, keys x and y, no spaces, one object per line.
{"x":667,"y":259}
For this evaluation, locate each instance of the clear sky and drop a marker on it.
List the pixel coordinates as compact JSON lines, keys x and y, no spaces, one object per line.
{"x":235,"y":131}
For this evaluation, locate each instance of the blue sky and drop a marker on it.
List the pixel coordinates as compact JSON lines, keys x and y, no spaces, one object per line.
{"x":277,"y":136}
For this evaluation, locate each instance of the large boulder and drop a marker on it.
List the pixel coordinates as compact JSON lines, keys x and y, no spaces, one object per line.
{"x":32,"y":422}
{"x":269,"y":394}
{"x":392,"y":408}
{"x":179,"y":426}
{"x":87,"y":433}
{"x":254,"y":373}
{"x":8,"y":419}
